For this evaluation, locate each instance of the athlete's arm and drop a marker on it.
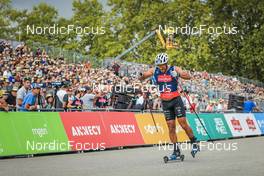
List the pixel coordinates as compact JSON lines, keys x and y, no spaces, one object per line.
{"x":147,"y":74}
{"x":183,"y":74}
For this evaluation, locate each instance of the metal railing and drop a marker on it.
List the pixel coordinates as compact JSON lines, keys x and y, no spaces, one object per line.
{"x":114,"y":110}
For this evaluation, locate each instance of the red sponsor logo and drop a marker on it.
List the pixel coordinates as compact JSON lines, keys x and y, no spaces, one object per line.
{"x":169,"y":95}
{"x":85,"y":130}
{"x":236,"y":124}
{"x":164,"y":78}
{"x":122,"y":128}
{"x":250,"y":124}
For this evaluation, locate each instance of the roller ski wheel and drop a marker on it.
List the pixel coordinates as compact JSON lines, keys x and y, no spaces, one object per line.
{"x":182,"y":157}
{"x":166,"y":159}
{"x":195,"y":150}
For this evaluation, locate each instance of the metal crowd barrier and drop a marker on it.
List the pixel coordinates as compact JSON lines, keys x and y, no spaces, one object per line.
{"x":115,"y":110}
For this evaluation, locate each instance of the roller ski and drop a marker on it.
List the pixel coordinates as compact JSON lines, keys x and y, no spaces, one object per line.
{"x":173,"y":157}
{"x":195,"y":149}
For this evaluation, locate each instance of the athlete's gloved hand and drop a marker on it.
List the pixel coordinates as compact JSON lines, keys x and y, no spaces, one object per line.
{"x":175,"y":74}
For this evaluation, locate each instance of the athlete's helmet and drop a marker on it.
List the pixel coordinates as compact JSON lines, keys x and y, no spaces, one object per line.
{"x":161,"y":58}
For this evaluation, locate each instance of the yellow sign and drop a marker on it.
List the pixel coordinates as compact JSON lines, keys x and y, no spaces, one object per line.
{"x":150,"y":133}
{"x":181,"y":135}
{"x":159,"y":135}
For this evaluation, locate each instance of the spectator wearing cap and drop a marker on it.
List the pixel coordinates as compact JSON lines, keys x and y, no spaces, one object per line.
{"x":49,"y":101}
{"x":6,"y":84}
{"x":29,"y":102}
{"x":22,"y":92}
{"x":11,"y":99}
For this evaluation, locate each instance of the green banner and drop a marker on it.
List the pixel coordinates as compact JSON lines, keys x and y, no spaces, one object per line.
{"x":9,"y":144}
{"x":33,"y":132}
{"x":215,"y":125}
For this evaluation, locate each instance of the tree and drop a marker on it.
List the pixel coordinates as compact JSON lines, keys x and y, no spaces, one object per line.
{"x":5,"y":25}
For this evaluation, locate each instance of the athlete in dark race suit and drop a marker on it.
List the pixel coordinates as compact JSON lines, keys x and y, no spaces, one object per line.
{"x":166,"y":78}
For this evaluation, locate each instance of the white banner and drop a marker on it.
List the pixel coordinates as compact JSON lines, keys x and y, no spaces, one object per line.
{"x":242,"y":124}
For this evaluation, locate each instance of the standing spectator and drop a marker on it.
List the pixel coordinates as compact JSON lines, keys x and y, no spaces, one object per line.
{"x":40,"y":101}
{"x":88,"y":66}
{"x":156,"y":102}
{"x":139,"y":101}
{"x":38,"y":52}
{"x":220,"y":106}
{"x":88,"y":98}
{"x":62,"y":97}
{"x":116,"y":68}
{"x":29,"y":102}
{"x":249,"y":105}
{"x":210,"y":107}
{"x":22,"y":92}
{"x":77,"y":102}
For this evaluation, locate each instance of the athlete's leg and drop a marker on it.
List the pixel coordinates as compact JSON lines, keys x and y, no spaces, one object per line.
{"x":173,"y":136}
{"x":172,"y":130}
{"x":169,"y":112}
{"x":183,"y":122}
{"x":181,"y":116}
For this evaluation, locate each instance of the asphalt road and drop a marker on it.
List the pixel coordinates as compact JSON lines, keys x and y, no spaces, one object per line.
{"x":246,"y":159}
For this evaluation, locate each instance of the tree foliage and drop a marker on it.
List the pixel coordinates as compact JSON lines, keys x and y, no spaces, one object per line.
{"x":127,"y":22}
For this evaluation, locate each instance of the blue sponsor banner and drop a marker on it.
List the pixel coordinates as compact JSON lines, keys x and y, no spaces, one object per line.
{"x":260,"y":120}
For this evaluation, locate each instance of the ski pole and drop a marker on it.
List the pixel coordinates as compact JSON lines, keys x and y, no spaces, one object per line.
{"x":187,"y":97}
{"x":151,"y":113}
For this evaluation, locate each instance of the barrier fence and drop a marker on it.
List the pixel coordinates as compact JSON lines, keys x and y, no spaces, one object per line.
{"x":25,"y":133}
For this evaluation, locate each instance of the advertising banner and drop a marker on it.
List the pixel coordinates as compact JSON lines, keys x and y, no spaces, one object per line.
{"x":85,"y":130}
{"x":39,"y":132}
{"x":9,"y":144}
{"x":150,"y":133}
{"x":260,"y":120}
{"x":242,"y":124}
{"x":216,"y":126}
{"x":197,"y":127}
{"x":121,"y":129}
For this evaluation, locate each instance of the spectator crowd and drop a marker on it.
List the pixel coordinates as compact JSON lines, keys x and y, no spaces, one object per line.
{"x":31,"y":81}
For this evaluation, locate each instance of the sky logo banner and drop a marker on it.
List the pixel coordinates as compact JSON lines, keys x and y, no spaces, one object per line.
{"x":242,"y":124}
{"x":121,"y":129}
{"x":260,"y":121}
{"x":153,"y":134}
